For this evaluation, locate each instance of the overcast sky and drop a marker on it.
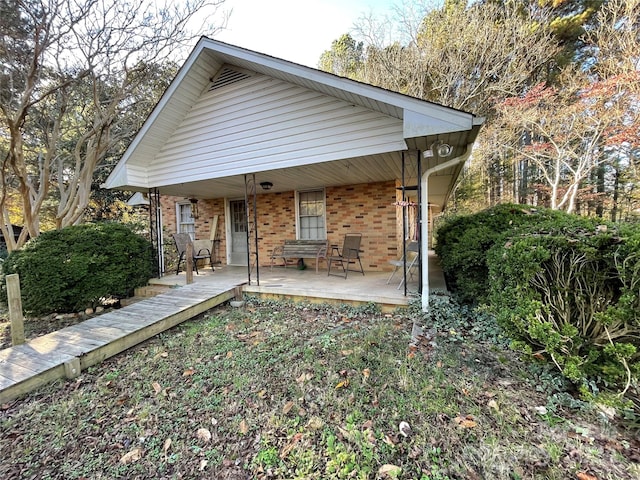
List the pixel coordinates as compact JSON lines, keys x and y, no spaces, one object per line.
{"x":294,"y":30}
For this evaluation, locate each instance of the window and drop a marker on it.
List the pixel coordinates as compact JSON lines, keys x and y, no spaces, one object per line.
{"x":311,"y":215}
{"x":185,"y":222}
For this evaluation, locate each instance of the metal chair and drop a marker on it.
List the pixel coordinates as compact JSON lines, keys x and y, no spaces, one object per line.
{"x":182,"y":240}
{"x":412,"y":255}
{"x":349,"y":254}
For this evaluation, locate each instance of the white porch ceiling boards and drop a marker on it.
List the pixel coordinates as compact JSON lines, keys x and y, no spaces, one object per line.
{"x":294,"y":126}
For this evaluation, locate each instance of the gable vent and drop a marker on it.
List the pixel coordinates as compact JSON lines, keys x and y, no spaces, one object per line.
{"x":227,"y":76}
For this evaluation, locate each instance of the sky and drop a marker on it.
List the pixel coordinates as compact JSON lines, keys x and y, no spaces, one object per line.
{"x":295,"y":30}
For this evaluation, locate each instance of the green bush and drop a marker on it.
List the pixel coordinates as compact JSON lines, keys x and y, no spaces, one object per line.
{"x":463,"y":243}
{"x":569,"y":290}
{"x":71,"y":269}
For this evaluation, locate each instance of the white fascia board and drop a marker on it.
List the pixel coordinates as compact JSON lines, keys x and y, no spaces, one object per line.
{"x":419,"y":125}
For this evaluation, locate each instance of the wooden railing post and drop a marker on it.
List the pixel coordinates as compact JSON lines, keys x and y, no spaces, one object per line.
{"x":189,"y":263}
{"x":15,"y":309}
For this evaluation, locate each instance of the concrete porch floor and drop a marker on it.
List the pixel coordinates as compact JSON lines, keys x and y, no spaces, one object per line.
{"x":315,"y":287}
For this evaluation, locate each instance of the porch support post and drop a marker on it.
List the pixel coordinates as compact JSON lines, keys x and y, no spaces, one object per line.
{"x":155,"y":230}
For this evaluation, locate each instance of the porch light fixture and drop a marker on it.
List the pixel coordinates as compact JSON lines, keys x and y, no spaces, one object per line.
{"x":194,"y":207}
{"x":438,"y":149}
{"x":266,"y":185}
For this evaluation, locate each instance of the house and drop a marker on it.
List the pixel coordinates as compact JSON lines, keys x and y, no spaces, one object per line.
{"x":269,"y":150}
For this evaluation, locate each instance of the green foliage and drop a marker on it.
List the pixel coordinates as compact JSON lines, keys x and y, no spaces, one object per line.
{"x":463,"y":242}
{"x":569,"y":291}
{"x":70,"y":269}
{"x":345,"y":57}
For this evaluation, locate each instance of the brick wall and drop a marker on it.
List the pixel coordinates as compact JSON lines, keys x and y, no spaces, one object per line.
{"x":365,"y":208}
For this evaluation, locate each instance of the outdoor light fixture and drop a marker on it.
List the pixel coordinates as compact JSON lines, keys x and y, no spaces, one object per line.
{"x":194,"y":207}
{"x":438,"y":149}
{"x":266,"y":185}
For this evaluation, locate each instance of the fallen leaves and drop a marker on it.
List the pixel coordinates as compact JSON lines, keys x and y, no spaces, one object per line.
{"x":287,"y":407}
{"x":405,"y":429}
{"x":165,"y":448}
{"x":465,"y":422}
{"x":304,"y":377}
{"x":243,"y":427}
{"x":389,"y":470}
{"x":204,"y":435}
{"x":156,"y":387}
{"x":132,"y":456}
{"x":585,"y":476}
{"x":290,"y":446}
{"x":541,"y":410}
{"x":343,"y":384}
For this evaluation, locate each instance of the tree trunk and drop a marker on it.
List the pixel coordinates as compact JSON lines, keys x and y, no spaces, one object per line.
{"x":600,"y":191}
{"x":616,"y":192}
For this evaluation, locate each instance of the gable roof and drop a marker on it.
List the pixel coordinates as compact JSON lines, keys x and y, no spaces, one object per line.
{"x":408,"y":122}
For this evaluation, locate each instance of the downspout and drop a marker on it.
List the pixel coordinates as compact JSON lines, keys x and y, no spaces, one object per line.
{"x":424,"y":239}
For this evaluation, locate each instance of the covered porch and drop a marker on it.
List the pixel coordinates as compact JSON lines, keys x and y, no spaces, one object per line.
{"x":307,"y":285}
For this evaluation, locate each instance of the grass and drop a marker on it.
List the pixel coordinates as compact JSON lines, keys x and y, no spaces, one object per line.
{"x":280,"y":390}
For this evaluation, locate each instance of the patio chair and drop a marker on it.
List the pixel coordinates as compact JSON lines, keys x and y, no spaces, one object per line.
{"x":411,"y":262}
{"x":182,"y":240}
{"x":349,"y":254}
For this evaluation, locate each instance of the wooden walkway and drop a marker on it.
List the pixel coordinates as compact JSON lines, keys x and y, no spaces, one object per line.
{"x":66,"y":352}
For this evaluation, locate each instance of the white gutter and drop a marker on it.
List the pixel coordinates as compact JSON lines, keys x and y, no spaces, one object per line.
{"x":424,"y":240}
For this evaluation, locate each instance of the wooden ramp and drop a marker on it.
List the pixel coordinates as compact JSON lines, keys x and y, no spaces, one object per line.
{"x":68,"y":351}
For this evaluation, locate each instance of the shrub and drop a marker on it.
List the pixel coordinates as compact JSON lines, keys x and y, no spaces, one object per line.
{"x":463,"y":243}
{"x":71,"y":269}
{"x":569,"y":290}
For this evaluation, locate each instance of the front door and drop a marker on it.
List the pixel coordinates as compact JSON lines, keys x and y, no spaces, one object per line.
{"x":238,"y":230}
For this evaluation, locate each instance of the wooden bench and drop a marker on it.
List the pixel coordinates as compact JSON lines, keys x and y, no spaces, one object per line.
{"x":296,"y":249}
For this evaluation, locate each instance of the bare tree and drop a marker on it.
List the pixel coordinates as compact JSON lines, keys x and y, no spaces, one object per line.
{"x":462,"y":56}
{"x":562,"y":132}
{"x":70,"y":72}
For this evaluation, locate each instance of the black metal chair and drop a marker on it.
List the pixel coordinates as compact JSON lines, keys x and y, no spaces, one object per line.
{"x":182,"y":240}
{"x":349,"y":254}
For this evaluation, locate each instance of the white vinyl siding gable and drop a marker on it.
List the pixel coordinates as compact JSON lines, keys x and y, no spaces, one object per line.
{"x":261,"y":123}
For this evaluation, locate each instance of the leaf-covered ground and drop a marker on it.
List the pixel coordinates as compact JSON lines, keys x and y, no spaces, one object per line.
{"x":277,"y":390}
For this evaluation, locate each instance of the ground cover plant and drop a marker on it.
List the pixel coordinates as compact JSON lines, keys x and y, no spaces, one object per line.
{"x":282,"y":390}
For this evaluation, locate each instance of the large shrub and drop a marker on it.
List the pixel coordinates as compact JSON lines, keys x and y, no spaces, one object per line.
{"x":463,"y":243}
{"x":73,"y":268}
{"x":569,"y":290}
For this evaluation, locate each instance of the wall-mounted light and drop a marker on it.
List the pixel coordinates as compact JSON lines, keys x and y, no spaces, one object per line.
{"x":194,"y":207}
{"x":438,"y":149}
{"x":266,"y":185}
